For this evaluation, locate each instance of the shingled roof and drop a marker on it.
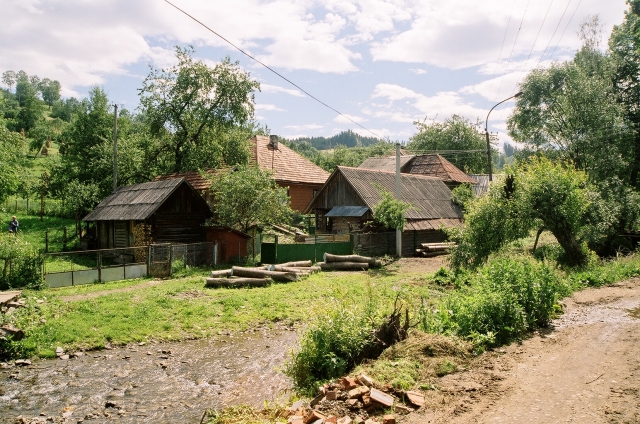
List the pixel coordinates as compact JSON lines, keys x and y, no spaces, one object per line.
{"x":195,"y":178}
{"x":135,"y":202}
{"x":387,"y":164}
{"x":434,"y":165}
{"x":432,"y":205}
{"x":288,"y":166}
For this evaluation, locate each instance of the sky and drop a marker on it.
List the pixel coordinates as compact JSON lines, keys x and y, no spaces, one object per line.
{"x":384,"y":64}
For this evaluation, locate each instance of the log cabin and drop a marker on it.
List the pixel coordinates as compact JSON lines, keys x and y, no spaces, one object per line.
{"x":167,"y":211}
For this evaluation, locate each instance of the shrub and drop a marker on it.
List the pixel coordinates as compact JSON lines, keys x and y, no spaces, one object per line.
{"x":505,"y":298}
{"x":21,"y":264}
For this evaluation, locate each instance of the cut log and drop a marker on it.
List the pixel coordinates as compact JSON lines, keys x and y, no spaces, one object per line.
{"x":344,"y":266}
{"x":329,"y":258}
{"x":297,"y":264}
{"x":432,"y":247}
{"x":236,"y":282}
{"x":221,"y":273}
{"x":282,"y":277}
{"x":307,"y":270}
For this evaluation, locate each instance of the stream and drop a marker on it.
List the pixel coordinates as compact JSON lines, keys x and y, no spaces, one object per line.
{"x":149,"y":383}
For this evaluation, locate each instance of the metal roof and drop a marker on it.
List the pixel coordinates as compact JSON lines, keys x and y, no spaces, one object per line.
{"x":351,"y":211}
{"x":135,"y":202}
{"x":430,"y":198}
{"x":483,"y":183}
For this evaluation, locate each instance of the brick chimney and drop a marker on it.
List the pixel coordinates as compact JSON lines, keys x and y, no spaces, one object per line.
{"x":273,"y":142}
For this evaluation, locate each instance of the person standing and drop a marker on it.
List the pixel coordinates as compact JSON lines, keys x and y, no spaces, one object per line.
{"x":13,"y":225}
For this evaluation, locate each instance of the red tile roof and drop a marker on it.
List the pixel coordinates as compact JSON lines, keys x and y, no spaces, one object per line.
{"x":434,"y":165}
{"x":195,"y":178}
{"x":287,"y":165}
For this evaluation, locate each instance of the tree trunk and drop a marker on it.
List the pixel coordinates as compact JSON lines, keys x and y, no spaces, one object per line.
{"x":329,"y":258}
{"x":535,"y":245}
{"x":283,"y":277}
{"x":571,"y":246}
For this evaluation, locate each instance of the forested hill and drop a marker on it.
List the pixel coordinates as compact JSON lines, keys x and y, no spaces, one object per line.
{"x":345,"y":138}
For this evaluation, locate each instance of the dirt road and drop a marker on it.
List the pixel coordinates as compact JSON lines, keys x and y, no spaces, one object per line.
{"x":584,"y":369}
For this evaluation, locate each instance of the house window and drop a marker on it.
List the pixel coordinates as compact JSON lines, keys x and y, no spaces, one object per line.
{"x":315,"y":192}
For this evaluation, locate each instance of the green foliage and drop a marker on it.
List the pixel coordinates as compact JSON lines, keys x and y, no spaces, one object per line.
{"x":189,"y":106}
{"x":249,"y":196}
{"x":12,"y":163}
{"x":462,"y":195}
{"x":21,"y":263}
{"x":506,"y":298}
{"x":344,"y":138}
{"x":538,"y":194}
{"x":455,"y":133}
{"x":354,"y":156}
{"x":331,"y":344}
{"x":390,"y":212}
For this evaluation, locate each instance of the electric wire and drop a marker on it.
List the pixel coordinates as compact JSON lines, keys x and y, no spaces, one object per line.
{"x":274,"y":71}
{"x":565,"y":29}
{"x":554,"y":32}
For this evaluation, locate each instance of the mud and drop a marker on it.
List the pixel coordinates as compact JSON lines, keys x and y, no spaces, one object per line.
{"x":155,"y":383}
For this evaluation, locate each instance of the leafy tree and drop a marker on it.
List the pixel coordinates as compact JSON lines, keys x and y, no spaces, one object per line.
{"x":455,"y":133}
{"x":189,"y":106}
{"x":249,"y":196}
{"x":462,"y":195}
{"x":50,"y":91}
{"x":344,"y":138}
{"x":9,"y":78}
{"x":354,"y":156}
{"x":12,"y":163}
{"x":624,"y":46}
{"x":65,"y":108}
{"x":537,"y":194}
{"x":390,"y":211}
{"x":30,"y":111}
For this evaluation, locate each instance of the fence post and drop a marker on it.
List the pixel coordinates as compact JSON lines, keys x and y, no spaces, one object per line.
{"x":99,"y":266}
{"x":315,"y":248}
{"x":64,"y":239}
{"x":170,"y":259}
{"x":46,"y":241}
{"x":276,"y":247}
{"x":149,"y":261}
{"x":351,"y":239}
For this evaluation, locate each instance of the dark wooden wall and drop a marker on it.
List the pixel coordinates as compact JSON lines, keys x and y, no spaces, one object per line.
{"x":337,"y":192}
{"x":180,"y":218}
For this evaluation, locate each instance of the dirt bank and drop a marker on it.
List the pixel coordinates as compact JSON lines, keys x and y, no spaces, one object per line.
{"x":584,"y":369}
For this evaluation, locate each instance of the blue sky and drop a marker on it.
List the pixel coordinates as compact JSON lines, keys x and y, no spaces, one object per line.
{"x":384,"y":63}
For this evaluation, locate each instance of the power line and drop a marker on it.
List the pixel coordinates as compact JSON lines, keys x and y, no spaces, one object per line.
{"x":272,"y":70}
{"x":554,"y":32}
{"x":512,"y":49}
{"x":565,"y":28}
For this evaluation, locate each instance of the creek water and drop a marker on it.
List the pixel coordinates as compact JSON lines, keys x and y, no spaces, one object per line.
{"x":151,"y":383}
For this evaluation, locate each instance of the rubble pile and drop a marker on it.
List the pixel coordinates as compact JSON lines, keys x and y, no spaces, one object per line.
{"x":352,"y":400}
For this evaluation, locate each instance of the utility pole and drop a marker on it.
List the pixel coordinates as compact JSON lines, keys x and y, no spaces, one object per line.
{"x":115,"y":148}
{"x":486,"y":131}
{"x":398,"y":194}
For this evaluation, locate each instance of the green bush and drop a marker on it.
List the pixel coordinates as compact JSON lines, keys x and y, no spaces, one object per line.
{"x":21,"y":264}
{"x":504,"y":299}
{"x":331,"y":344}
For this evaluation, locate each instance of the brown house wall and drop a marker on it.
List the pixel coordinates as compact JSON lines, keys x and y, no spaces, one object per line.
{"x":299,"y":194}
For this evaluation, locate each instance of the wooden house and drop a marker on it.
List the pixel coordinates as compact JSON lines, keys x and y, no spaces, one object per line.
{"x":301,"y":177}
{"x":347,"y":200}
{"x":167,"y":211}
{"x":431,"y":165}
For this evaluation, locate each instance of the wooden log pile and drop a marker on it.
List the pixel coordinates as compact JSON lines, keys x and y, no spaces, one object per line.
{"x":348,"y":263}
{"x":429,"y":250}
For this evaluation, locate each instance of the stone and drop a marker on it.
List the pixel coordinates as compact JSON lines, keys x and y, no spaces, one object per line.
{"x":10,"y":311}
{"x":295,"y":419}
{"x":348,"y":383}
{"x":15,"y":304}
{"x":23,"y":362}
{"x":313,"y":416}
{"x":381,"y":397}
{"x":332,"y":419}
{"x":344,"y":420}
{"x":352,"y":403}
{"x":415,"y":398}
{"x":366,"y":400}
{"x":388,"y":419}
{"x":331,"y":394}
{"x":358,"y":420}
{"x":366,"y":380}
{"x":296,"y":405}
{"x":358,"y":392}
{"x":64,"y":357}
{"x":401,"y":409}
{"x":59,"y":351}
{"x":9,"y":330}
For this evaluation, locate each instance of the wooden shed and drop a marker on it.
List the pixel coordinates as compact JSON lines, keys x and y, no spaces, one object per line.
{"x":347,"y":200}
{"x":168,"y":211}
{"x":232,"y":244}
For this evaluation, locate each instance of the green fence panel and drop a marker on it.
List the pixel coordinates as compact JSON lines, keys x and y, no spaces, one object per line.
{"x":268,"y":253}
{"x":343,"y":248}
{"x":295,"y":252}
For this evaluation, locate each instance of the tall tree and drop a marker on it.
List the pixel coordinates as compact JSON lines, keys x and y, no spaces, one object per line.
{"x":624,"y":45}
{"x":50,"y":91}
{"x":188,"y":107}
{"x":9,"y":78}
{"x":455,"y":133}
{"x":12,"y":163}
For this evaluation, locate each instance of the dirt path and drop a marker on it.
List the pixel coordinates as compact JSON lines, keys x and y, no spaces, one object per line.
{"x":584,"y":369}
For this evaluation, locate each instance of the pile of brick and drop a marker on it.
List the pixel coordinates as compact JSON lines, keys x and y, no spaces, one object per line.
{"x":355,"y":401}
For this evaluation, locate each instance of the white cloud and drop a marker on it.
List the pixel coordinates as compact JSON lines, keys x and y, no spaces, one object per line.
{"x":266,"y":106}
{"x":349,"y":119}
{"x":304,"y":127}
{"x":418,"y":71}
{"x":268,"y":88}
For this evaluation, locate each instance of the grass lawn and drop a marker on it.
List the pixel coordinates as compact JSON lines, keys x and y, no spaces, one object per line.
{"x":33,"y":230}
{"x":87,"y":317}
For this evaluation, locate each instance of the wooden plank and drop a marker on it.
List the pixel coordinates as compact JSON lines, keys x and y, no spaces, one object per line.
{"x":8,"y":296}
